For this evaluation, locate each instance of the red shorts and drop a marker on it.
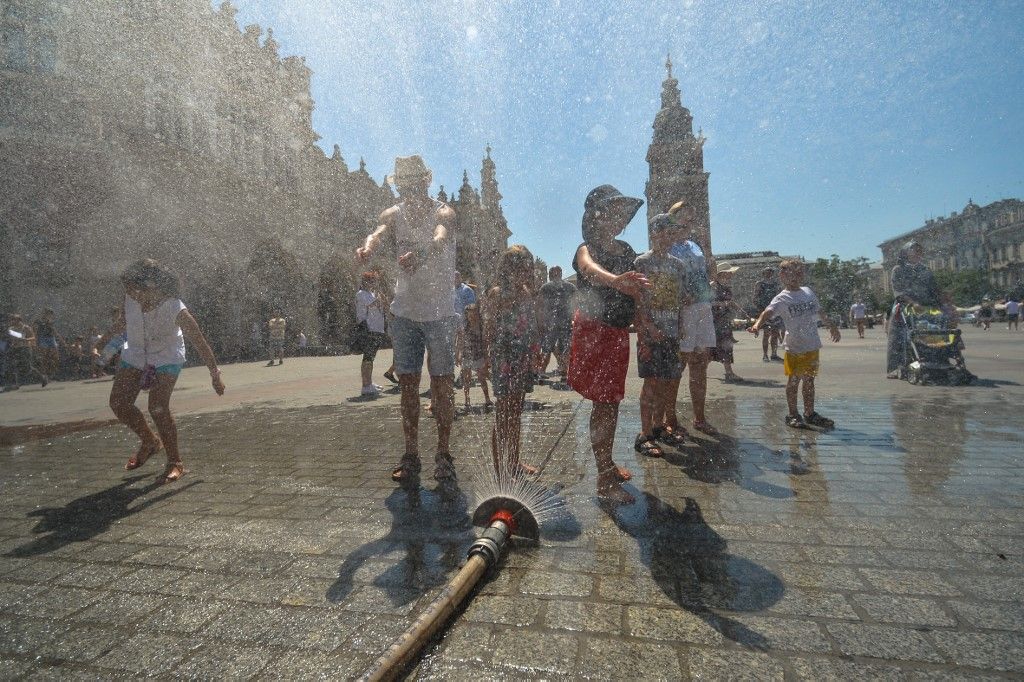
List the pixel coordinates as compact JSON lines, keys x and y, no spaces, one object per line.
{"x":598,"y":360}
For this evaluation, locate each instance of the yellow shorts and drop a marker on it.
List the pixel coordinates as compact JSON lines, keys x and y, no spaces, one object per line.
{"x":801,"y":364}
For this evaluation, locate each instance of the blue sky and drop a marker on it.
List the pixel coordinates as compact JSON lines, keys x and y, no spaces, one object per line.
{"x":830,"y":127}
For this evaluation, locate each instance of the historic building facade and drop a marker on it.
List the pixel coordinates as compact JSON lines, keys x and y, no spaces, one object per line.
{"x":988,"y":238}
{"x":160,"y":128}
{"x":676,"y":161}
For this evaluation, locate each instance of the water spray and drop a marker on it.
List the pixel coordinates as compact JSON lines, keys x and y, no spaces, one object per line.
{"x":501,"y":517}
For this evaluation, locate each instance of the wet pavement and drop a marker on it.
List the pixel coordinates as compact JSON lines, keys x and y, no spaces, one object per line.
{"x":892,"y":547}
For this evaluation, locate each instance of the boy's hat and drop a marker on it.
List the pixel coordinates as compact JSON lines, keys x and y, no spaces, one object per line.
{"x":662,"y":222}
{"x":727,"y":267}
{"x":409,"y":168}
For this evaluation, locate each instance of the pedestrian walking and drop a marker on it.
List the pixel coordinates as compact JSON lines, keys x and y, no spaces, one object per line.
{"x":1012,"y":314}
{"x":858,"y":311}
{"x":800,"y":310}
{"x":276,"y":327}
{"x":599,"y":353}
{"x":764,"y":291}
{"x":370,"y":307}
{"x":156,"y":325}
{"x":423,"y":319}
{"x":21,"y":338}
{"x":48,"y":343}
{"x":512,"y":338}
{"x":556,"y":311}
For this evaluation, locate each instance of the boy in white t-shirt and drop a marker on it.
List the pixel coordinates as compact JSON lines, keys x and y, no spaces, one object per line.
{"x":800,"y":310}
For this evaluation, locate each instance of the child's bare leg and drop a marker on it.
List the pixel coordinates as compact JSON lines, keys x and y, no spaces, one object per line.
{"x":671,"y":396}
{"x":160,"y":411}
{"x":697,"y":361}
{"x":467,"y":377}
{"x":481,"y":374}
{"x":648,"y":406}
{"x":792,"y":385}
{"x":808,"y":391}
{"x":603,"y":419}
{"x":122,"y":401}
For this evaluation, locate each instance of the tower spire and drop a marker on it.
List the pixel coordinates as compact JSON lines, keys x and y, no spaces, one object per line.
{"x":668,"y":64}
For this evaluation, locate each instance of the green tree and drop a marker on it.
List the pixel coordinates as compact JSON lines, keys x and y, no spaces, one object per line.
{"x":837,"y":282}
{"x":967,"y":286}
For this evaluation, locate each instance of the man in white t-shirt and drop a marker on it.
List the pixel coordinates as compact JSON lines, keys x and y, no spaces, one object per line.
{"x":857,"y":312}
{"x":1012,"y":313}
{"x":800,"y":309}
{"x":424,"y":319}
{"x":276,"y":325}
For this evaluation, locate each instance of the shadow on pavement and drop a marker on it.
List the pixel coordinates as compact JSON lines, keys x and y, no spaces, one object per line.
{"x":718,"y":461}
{"x":433,"y":529}
{"x":690,"y":563}
{"x":86,"y":517}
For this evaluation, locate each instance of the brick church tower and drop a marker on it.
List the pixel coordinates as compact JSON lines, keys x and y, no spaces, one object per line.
{"x":676,"y":159}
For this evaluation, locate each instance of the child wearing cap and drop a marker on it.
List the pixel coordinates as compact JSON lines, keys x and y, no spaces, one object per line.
{"x":800,"y":310}
{"x":599,"y":351}
{"x":658,"y":339}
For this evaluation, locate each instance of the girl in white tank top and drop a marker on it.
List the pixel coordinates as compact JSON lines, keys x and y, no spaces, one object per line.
{"x":156,"y":323}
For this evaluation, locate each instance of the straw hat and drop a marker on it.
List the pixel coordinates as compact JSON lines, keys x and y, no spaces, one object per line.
{"x":409,"y":168}
{"x":727,"y":268}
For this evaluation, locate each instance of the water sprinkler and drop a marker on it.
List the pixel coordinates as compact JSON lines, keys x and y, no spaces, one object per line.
{"x":501,"y":517}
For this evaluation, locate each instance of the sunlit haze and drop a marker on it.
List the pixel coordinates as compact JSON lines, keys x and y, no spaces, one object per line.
{"x":828,"y":129}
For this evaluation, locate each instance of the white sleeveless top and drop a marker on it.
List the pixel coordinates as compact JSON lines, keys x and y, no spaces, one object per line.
{"x":425,"y":294}
{"x":154,"y":338}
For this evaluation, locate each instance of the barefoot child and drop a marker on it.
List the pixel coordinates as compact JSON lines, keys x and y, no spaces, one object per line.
{"x":608,"y":287}
{"x":800,"y":310}
{"x":474,"y":352}
{"x":156,"y":323}
{"x":512,"y":338}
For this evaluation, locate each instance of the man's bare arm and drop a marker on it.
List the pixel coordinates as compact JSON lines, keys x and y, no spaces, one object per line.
{"x":364,"y":252}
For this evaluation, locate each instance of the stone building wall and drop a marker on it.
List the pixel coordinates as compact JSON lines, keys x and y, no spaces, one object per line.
{"x":989,"y":238}
{"x":160,"y":128}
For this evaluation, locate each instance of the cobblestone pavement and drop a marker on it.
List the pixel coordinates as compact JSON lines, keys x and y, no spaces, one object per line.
{"x":892,"y":547}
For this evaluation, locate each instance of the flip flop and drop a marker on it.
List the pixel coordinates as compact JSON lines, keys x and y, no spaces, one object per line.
{"x":143,"y":455}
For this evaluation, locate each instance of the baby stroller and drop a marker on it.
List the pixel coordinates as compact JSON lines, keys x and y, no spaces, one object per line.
{"x":933,"y":355}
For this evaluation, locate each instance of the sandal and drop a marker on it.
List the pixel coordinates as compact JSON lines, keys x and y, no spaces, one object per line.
{"x":670,"y":436}
{"x":408,"y":467}
{"x":704,"y":427}
{"x":444,"y":467}
{"x":647,"y":446}
{"x":173,"y":471}
{"x":143,"y":455}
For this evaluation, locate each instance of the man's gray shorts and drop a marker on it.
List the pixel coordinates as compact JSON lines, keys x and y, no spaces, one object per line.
{"x":411,"y":339}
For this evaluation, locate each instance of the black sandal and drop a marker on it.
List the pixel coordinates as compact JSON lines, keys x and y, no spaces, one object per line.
{"x":444,"y":467}
{"x":408,"y":467}
{"x":669,"y":436}
{"x":647,"y":446}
